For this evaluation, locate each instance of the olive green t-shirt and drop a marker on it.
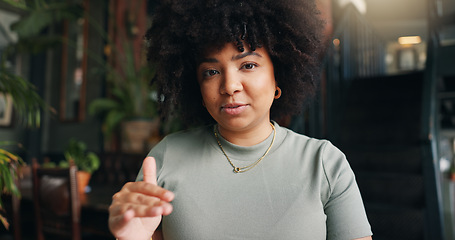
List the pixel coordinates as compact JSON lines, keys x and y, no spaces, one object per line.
{"x":303,"y":189}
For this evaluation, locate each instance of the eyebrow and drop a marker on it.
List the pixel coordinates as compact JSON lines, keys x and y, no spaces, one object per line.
{"x":236,"y":57}
{"x":245,"y":54}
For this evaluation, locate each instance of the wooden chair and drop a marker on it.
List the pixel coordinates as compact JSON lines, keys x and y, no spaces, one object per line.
{"x":56,"y":203}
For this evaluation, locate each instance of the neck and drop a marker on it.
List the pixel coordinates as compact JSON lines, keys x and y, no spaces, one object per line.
{"x":247,"y":137}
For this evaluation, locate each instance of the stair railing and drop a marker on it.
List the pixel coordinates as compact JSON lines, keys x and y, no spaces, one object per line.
{"x":430,"y":125}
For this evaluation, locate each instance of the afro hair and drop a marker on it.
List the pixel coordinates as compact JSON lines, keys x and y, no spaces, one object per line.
{"x":182,"y":30}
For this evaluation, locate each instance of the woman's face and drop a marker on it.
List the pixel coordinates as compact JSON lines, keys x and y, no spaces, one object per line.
{"x":237,"y":87}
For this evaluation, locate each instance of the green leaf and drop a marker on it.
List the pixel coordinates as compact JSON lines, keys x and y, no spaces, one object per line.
{"x":26,"y":100}
{"x":113,"y":120}
{"x":40,"y":18}
{"x":17,"y":4}
{"x":36,"y":45}
{"x":64,"y":164}
{"x":101,"y":106}
{"x":3,"y":219}
{"x":33,"y":24}
{"x":76,"y":151}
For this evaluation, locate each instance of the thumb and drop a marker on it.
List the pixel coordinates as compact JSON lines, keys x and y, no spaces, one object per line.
{"x":149,"y":170}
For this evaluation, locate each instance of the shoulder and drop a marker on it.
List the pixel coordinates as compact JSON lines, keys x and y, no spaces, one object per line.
{"x":319,"y":152}
{"x":306,"y":143}
{"x":181,"y":142}
{"x":185,"y":137}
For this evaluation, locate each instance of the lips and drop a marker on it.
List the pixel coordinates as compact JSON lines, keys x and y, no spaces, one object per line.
{"x":233,"y":108}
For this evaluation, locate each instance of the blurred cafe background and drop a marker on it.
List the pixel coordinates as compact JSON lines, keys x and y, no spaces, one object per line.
{"x":78,"y":114}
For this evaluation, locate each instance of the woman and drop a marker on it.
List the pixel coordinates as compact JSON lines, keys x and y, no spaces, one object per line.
{"x":234,"y":66}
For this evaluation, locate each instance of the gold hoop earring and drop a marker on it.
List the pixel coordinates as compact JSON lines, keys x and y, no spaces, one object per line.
{"x":277,"y":93}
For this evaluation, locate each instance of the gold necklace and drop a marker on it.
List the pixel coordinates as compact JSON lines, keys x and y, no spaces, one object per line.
{"x":245,"y":168}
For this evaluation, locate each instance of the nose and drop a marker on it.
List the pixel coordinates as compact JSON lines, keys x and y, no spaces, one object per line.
{"x":231,"y":83}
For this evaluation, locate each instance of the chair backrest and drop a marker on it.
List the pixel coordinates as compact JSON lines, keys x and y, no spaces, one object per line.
{"x":56,"y":202}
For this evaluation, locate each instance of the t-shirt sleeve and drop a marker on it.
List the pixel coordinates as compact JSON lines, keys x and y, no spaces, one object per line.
{"x":346,"y":217}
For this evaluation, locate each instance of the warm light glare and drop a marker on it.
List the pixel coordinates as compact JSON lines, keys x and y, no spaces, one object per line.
{"x":409,"y":40}
{"x":336,"y":42}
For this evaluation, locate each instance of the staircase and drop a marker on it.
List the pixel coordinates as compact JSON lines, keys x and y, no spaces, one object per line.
{"x":379,"y":132}
{"x":389,"y":126}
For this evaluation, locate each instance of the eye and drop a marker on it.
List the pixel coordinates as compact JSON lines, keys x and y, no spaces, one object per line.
{"x":209,"y":73}
{"x":249,"y":66}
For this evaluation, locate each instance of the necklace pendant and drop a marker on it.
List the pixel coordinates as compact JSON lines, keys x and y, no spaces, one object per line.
{"x":245,"y":168}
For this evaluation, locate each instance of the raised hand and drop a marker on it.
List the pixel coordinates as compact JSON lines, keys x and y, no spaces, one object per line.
{"x":136,"y":209}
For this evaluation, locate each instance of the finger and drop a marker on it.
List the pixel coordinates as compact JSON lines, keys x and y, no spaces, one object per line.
{"x":142,"y":193}
{"x":164,"y":209}
{"x":125,"y":212}
{"x":118,"y":222}
{"x":149,"y":170}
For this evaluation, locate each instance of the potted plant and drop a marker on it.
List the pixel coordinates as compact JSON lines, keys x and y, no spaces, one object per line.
{"x":129,"y":111}
{"x":27,"y":103}
{"x":28,"y":106}
{"x":131,"y":108}
{"x":86,"y":161}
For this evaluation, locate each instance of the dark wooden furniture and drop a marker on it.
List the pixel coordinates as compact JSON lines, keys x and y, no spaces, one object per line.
{"x":56,"y":203}
{"x":117,"y":168}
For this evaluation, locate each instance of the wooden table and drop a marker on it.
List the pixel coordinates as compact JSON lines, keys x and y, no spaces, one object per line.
{"x":99,"y":197}
{"x":94,"y":210}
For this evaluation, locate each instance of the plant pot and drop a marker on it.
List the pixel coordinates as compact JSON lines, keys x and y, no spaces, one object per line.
{"x":83,"y":178}
{"x":136,"y":133}
{"x":452,"y":176}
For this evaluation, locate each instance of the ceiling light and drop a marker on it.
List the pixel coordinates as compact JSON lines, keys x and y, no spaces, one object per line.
{"x":409,"y":40}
